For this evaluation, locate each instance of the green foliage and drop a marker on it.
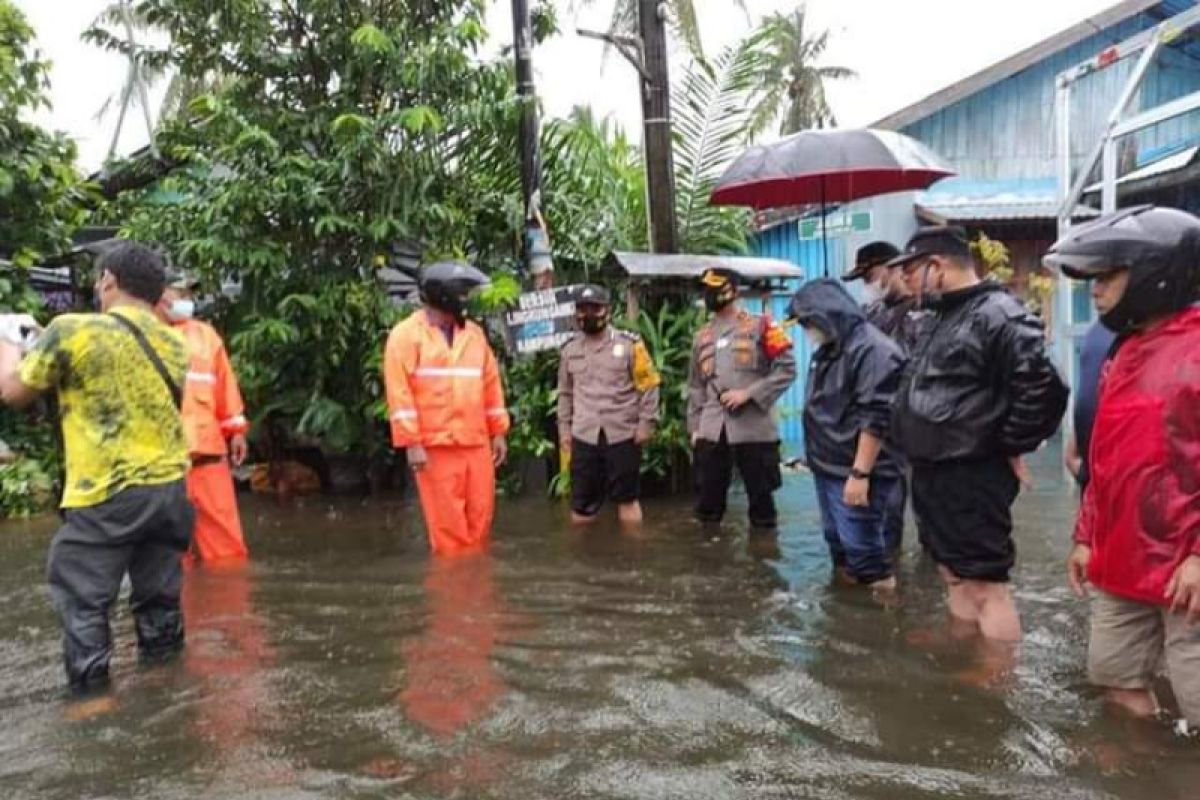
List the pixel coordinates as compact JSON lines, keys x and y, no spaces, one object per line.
{"x":41,"y":204}
{"x":668,"y":333}
{"x":41,"y":195}
{"x":29,"y":484}
{"x":335,"y":133}
{"x":712,"y":108}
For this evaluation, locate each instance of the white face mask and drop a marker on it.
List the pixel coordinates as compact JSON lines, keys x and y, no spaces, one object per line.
{"x":181,"y":310}
{"x":873,"y":292}
{"x":816,"y":337}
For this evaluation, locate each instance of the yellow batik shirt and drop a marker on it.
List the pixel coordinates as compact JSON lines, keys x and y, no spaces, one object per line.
{"x":119,"y":421}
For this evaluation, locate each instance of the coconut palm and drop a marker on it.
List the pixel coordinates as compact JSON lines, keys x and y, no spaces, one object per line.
{"x":684,"y":19}
{"x":793,"y":83}
{"x":121,"y":28}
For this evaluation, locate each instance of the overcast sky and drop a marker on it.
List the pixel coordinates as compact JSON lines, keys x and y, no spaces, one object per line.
{"x":902,"y":52}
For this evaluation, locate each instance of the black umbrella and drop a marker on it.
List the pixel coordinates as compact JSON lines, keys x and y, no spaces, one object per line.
{"x":828,"y":166}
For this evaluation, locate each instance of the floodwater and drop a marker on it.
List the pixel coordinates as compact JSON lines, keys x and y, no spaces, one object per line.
{"x":343,"y":662}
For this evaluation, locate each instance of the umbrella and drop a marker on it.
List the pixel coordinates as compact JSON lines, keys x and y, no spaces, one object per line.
{"x":828,"y":166}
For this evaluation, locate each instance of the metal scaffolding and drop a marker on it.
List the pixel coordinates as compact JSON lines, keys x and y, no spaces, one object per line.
{"x":1147,"y":45}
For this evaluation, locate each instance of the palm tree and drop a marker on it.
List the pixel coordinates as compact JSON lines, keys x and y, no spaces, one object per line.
{"x":793,"y":84}
{"x":683,"y":17}
{"x":143,"y":72}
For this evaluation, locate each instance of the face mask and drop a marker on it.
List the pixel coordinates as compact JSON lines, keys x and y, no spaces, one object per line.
{"x":181,"y":310}
{"x":873,"y":292}
{"x":816,"y":337}
{"x":592,"y":323}
{"x":715,"y":302}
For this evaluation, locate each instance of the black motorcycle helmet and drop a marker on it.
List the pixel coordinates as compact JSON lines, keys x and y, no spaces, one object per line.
{"x":447,"y":285}
{"x":593,"y":308}
{"x":720,"y":287}
{"x":1159,"y":246}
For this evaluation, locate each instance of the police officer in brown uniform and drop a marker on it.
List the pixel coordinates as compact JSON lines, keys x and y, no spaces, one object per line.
{"x":607,"y":409}
{"x":741,"y":365}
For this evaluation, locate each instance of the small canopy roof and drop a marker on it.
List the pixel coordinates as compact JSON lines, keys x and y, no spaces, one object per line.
{"x":670,"y":267}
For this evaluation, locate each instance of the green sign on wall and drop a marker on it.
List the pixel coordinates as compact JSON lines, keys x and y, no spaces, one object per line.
{"x":836,"y":224}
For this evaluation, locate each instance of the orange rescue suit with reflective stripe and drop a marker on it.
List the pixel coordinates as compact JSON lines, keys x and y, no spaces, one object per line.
{"x":442,"y":395}
{"x":212,"y":403}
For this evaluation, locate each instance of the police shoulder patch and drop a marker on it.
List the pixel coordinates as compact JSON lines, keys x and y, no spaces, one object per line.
{"x":629,"y":336}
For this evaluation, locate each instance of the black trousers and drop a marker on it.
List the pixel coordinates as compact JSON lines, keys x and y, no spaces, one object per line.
{"x":894,"y":516}
{"x":143,"y":531}
{"x":758,"y":465}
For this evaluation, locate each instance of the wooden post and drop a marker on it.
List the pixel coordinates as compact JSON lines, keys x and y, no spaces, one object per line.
{"x":632,"y":302}
{"x":656,"y":119}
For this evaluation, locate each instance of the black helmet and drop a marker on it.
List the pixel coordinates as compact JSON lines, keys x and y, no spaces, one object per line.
{"x":446,"y":286}
{"x":1159,"y":246}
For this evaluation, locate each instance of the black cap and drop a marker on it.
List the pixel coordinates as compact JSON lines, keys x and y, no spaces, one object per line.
{"x":936,"y":240}
{"x":179,"y":279}
{"x":591,"y":294}
{"x":870,"y":256}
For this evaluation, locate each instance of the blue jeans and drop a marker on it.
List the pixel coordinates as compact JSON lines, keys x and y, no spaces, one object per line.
{"x":857,"y":535}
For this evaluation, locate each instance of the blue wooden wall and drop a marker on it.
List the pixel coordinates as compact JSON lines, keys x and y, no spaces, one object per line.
{"x":783,"y":242}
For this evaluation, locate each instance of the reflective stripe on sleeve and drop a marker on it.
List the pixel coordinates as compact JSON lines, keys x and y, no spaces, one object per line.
{"x":449,"y":372}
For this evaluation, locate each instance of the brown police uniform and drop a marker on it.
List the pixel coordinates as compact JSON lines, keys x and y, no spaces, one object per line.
{"x":607,"y":391}
{"x":747,"y":352}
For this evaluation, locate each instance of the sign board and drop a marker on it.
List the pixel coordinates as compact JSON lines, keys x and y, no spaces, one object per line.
{"x":542,"y":320}
{"x":837,"y":224}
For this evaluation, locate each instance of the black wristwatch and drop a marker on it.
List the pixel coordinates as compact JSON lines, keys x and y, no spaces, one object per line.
{"x":859,"y":475}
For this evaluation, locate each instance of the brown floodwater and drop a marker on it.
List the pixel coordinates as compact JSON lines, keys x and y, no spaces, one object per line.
{"x":681,"y":662}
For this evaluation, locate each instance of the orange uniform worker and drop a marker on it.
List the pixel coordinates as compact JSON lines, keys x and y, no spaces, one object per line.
{"x":215,"y":425}
{"x":447,"y":408}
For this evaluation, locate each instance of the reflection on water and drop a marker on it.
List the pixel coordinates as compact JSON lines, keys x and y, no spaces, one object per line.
{"x":449,"y":678}
{"x":677,"y":662}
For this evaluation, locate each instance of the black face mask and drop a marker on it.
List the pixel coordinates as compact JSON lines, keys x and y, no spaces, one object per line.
{"x":715,"y":301}
{"x":592,"y":323}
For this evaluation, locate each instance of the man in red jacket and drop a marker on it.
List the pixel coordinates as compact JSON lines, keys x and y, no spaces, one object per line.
{"x":1137,"y":539}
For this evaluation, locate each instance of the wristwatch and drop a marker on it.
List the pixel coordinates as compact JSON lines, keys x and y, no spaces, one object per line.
{"x":858,"y":474}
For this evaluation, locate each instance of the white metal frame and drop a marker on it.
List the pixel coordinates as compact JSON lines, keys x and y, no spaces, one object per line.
{"x":1148,"y":44}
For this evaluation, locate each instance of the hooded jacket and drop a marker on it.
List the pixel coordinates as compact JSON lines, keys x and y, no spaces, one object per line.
{"x":1141,"y":509}
{"x":981,"y":384}
{"x":852,"y":380}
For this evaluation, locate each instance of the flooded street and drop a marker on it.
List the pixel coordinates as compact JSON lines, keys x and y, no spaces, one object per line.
{"x":679,"y":663}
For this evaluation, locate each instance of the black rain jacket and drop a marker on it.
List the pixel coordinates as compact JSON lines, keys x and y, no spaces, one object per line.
{"x":852,"y":380}
{"x":981,"y":383}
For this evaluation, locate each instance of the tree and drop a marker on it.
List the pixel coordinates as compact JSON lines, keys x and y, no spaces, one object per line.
{"x":793,"y":83}
{"x":684,"y":19}
{"x":41,"y":194}
{"x":337,"y":132}
{"x":713,"y":109}
{"x":41,"y":205}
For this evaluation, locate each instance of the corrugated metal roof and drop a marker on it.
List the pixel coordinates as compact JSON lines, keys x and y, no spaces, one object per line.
{"x":964,"y":200}
{"x":1154,"y":169}
{"x":664,"y":266}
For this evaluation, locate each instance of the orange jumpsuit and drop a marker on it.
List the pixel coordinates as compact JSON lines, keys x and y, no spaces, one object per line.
{"x":448,"y":399}
{"x":212,"y":413}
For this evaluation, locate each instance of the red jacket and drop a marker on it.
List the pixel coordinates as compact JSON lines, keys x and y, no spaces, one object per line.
{"x":1141,"y":509}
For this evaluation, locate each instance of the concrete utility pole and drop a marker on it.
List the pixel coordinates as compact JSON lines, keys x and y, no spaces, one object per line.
{"x":531,"y":168}
{"x":656,"y":116}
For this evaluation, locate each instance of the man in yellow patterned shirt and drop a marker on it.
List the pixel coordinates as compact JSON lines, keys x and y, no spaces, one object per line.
{"x":125,"y":509}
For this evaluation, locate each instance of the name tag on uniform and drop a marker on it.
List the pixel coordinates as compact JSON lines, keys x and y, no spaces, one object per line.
{"x":723,"y":342}
{"x":618,"y":351}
